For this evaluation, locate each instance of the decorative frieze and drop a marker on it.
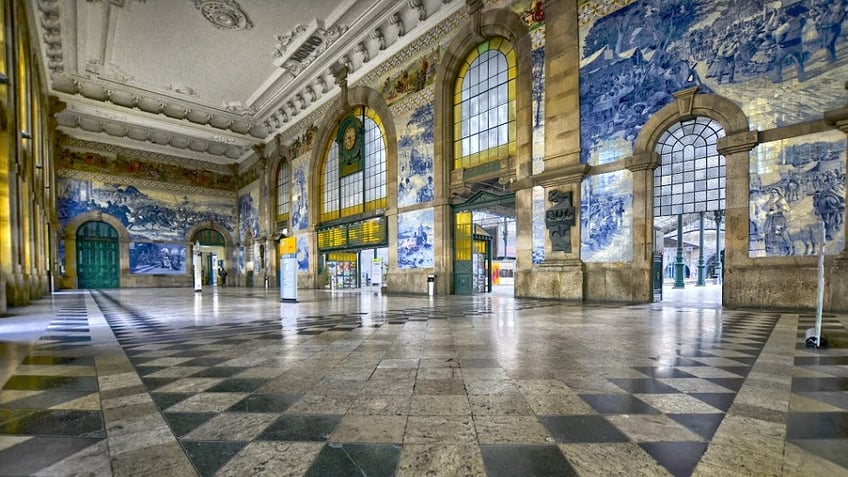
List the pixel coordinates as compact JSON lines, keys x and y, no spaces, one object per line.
{"x":144,"y":183}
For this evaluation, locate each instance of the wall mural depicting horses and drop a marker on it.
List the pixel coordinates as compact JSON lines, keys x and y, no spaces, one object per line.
{"x":157,"y":258}
{"x":606,"y":218}
{"x":781,"y":61}
{"x":796,"y":184}
{"x":148,"y":214}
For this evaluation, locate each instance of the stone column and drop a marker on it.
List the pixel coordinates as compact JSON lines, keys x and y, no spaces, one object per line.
{"x":562,"y":85}
{"x":642,"y":167}
{"x":736,"y":149}
{"x":561,"y":274}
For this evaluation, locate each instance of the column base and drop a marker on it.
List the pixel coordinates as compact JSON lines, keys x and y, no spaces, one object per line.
{"x":562,"y":279}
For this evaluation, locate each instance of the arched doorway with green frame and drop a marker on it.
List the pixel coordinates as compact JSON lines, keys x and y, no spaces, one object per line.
{"x":98,"y":256}
{"x":484,"y":243}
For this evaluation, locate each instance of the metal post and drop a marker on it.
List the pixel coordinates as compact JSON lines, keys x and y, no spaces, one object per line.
{"x":820,"y":296}
{"x":702,"y":269}
{"x":679,"y":267}
{"x":718,"y":214}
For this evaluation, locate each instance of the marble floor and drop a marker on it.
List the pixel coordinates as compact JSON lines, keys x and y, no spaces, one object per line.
{"x":231,"y":382}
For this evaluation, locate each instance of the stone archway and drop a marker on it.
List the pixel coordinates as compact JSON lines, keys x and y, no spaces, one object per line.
{"x":736,"y":144}
{"x":70,"y":279}
{"x":494,"y":23}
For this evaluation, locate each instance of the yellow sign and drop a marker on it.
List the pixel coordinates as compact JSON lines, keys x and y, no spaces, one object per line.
{"x":289,"y":246}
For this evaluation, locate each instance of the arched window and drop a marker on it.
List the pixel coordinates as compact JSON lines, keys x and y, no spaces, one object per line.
{"x":484,"y":105}
{"x":691,"y":174}
{"x":283,"y":192}
{"x":350,"y":194}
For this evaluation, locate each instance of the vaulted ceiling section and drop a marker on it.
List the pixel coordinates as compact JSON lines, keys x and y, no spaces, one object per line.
{"x":211,"y":79}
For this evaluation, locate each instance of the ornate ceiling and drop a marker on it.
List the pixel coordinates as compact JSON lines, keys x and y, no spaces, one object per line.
{"x":211,"y":79}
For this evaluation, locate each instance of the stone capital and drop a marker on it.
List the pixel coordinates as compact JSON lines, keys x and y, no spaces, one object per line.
{"x":837,"y":118}
{"x":645,"y":161}
{"x":741,"y":142}
{"x":567,"y":175}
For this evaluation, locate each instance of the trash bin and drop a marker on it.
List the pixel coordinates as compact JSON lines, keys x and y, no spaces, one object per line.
{"x":431,"y":285}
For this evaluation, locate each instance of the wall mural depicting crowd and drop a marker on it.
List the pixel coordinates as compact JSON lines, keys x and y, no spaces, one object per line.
{"x":157,"y":258}
{"x":797,"y":184}
{"x":148,"y":214}
{"x":157,"y":221}
{"x":415,"y":156}
{"x":782,"y":61}
{"x":606,"y":218}
{"x":415,"y":239}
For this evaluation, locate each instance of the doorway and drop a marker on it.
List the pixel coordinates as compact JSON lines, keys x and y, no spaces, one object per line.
{"x":213,"y":252}
{"x":484,"y":244}
{"x":689,"y":205}
{"x":98,"y":256}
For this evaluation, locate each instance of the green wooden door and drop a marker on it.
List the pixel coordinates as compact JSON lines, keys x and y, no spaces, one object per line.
{"x":463,"y":267}
{"x":98,"y":258}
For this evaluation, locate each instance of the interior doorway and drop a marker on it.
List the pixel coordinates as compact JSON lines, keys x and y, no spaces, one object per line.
{"x":484,"y":244}
{"x":98,"y":257}
{"x":689,"y":205}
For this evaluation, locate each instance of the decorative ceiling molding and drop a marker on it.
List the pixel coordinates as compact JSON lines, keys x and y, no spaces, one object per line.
{"x":224,"y":14}
{"x":363,"y":34}
{"x":51,"y":34}
{"x":235,"y":118}
{"x":383,"y":39}
{"x":113,"y":126}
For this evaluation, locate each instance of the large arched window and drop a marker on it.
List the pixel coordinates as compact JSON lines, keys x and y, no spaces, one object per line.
{"x":283,"y":192}
{"x":484,"y":105}
{"x":348,"y":195}
{"x":691,"y":175}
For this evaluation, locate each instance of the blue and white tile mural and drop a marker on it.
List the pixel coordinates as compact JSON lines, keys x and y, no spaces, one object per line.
{"x":781,"y":61}
{"x":797,"y":184}
{"x":539,"y":229}
{"x":303,"y":253}
{"x":248,"y":204}
{"x":606,"y":217}
{"x":157,"y":258}
{"x":148,"y":214}
{"x":300,"y":194}
{"x":415,"y":239}
{"x":539,"y":105}
{"x":415,"y":157}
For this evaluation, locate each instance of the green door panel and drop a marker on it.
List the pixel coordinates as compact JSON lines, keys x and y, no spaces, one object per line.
{"x":98,"y":256}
